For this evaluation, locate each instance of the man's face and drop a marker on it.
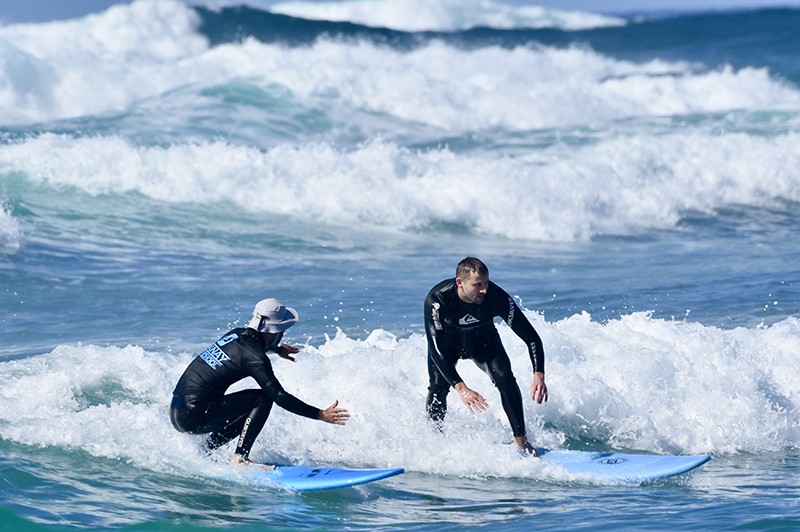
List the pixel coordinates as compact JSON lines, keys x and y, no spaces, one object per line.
{"x":473,"y":288}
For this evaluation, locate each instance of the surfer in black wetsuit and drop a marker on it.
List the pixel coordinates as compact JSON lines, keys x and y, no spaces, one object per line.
{"x":459,"y":323}
{"x":200,"y":405}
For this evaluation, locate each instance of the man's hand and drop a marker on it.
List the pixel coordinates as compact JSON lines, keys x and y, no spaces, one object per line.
{"x":538,"y":388}
{"x":474,"y":401}
{"x":286,"y":351}
{"x":334,"y":415}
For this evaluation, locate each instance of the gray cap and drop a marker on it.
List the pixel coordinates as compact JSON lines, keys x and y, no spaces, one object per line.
{"x":270,"y":316}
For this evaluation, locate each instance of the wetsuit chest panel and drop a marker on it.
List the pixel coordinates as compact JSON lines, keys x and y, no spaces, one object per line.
{"x":465,"y":329}
{"x":459,"y":317}
{"x":468,"y":317}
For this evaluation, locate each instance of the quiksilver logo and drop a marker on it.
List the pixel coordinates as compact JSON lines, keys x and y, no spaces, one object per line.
{"x":469,"y":319}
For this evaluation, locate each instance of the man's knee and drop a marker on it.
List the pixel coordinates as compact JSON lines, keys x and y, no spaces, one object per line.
{"x":506,"y":382}
{"x":500,"y":372}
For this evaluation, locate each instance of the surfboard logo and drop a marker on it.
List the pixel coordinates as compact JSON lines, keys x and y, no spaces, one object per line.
{"x":613,"y":461}
{"x":469,"y":319}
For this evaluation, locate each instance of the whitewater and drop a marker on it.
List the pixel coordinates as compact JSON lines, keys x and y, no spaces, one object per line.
{"x":631,"y":180}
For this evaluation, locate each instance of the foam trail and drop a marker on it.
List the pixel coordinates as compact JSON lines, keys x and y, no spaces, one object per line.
{"x":693,"y":388}
{"x":634,"y":383}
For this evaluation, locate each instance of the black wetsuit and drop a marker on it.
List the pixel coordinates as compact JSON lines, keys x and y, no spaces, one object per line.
{"x":199,"y":404}
{"x":456,"y":329}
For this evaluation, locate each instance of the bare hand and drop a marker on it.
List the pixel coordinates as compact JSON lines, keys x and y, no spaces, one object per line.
{"x":472,"y":399}
{"x":286,"y":351}
{"x":334,"y":415}
{"x":538,"y":388}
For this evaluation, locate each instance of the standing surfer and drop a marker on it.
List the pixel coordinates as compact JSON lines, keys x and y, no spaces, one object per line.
{"x":459,"y":323}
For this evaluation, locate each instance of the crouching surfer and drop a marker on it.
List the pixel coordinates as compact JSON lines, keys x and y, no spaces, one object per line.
{"x":200,"y":404}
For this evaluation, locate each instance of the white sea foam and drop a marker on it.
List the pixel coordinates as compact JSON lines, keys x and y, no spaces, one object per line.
{"x":97,"y":64}
{"x":444,"y":15}
{"x":563,"y":193}
{"x":495,"y":88}
{"x":625,"y":181}
{"x":114,"y":61}
{"x":633,"y":383}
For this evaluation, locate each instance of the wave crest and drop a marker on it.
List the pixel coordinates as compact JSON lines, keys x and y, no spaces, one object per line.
{"x":562,"y":193}
{"x":444,"y":15}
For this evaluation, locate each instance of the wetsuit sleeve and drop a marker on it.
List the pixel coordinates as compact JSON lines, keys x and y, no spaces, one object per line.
{"x":513,"y":316}
{"x":260,"y":369}
{"x":434,"y":309}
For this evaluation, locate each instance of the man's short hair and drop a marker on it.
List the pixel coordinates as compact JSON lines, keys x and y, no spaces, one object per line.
{"x":469,"y":265}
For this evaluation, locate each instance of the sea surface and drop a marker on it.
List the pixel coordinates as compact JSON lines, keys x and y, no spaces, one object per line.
{"x":633,"y":181}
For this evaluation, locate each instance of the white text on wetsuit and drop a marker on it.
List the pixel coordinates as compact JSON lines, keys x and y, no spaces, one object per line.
{"x":435,"y":315}
{"x":213,"y":355}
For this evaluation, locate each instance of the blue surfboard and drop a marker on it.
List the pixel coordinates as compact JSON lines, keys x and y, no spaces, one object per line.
{"x":303,"y":478}
{"x":620,"y":467}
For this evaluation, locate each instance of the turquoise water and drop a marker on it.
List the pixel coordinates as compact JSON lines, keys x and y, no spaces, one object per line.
{"x":632,"y":182}
{"x":711,"y":498}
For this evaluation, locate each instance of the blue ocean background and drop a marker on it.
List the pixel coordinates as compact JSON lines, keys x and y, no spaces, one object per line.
{"x":632,"y":180}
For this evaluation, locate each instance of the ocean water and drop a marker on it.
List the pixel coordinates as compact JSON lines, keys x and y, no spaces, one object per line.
{"x":633,"y":181}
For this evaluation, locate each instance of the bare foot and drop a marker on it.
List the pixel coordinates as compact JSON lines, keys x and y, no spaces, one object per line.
{"x":529,"y":451}
{"x":525,"y":448}
{"x":241,"y":460}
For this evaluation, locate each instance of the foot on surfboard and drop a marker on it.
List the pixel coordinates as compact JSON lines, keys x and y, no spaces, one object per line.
{"x":241,"y":460}
{"x":529,"y":450}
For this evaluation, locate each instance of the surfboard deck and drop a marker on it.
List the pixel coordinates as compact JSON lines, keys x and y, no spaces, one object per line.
{"x":303,"y":478}
{"x":622,"y":467}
